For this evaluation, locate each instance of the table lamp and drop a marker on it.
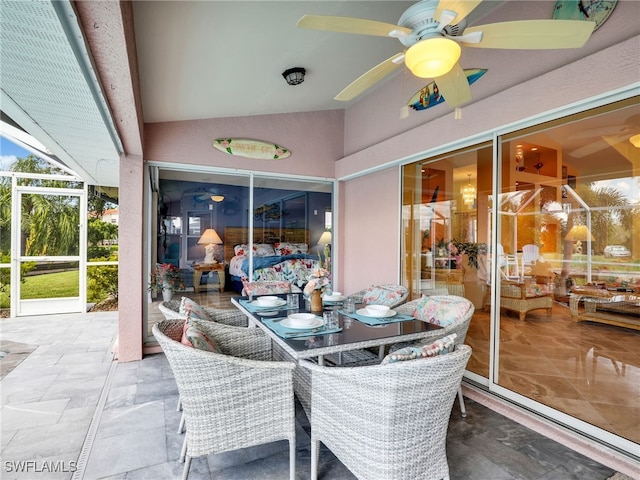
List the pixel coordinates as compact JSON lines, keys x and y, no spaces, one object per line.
{"x":209,"y":238}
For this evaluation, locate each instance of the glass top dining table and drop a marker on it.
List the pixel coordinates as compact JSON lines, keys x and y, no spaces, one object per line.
{"x":353,"y":334}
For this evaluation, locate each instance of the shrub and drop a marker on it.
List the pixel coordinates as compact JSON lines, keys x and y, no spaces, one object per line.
{"x":102,"y":281}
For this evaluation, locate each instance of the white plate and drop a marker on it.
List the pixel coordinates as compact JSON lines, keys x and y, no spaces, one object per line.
{"x":334,"y":299}
{"x":270,"y":313}
{"x":280,"y":303}
{"x":317,"y":322}
{"x":364,"y":313}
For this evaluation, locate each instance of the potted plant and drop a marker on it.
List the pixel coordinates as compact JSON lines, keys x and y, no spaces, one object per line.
{"x":166,"y":277}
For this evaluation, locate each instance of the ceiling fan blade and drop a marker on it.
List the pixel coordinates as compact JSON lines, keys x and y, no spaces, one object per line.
{"x":352,"y":25}
{"x":454,"y":86}
{"x":369,"y":78}
{"x":461,"y":7}
{"x":533,"y":34}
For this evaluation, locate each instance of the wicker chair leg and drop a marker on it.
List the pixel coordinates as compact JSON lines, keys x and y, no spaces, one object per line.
{"x":463,"y":409}
{"x":181,"y":425}
{"x":292,"y":460}
{"x":315,"y":448}
{"x":185,"y":470}
{"x":183,"y":452}
{"x":522,"y":315}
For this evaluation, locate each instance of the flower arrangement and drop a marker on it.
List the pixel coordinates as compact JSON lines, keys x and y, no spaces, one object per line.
{"x":166,"y":275}
{"x":320,"y":278}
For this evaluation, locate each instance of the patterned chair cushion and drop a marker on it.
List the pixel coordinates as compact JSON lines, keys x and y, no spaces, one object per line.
{"x":536,"y":290}
{"x":441,"y":310}
{"x":439,"y":347}
{"x":190,"y":308}
{"x":265,"y":287}
{"x":382,"y":295}
{"x":192,"y":336}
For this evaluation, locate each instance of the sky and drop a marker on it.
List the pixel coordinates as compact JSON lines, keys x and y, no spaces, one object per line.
{"x":9,"y":152}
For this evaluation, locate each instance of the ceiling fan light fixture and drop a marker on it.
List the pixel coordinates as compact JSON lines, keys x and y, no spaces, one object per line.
{"x":217,"y":198}
{"x":635,"y":140}
{"x":432,"y":57}
{"x":294,"y":76}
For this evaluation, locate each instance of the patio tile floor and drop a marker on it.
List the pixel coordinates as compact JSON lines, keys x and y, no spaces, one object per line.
{"x":67,"y":406}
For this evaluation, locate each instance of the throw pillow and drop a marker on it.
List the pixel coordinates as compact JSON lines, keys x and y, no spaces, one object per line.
{"x":190,"y":308}
{"x":198,"y":339}
{"x":442,"y":310}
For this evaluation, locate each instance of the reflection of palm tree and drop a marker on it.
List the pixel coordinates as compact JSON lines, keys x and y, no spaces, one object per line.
{"x":610,"y":209}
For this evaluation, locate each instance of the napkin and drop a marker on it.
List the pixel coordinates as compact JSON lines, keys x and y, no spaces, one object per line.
{"x":284,"y":332}
{"x":373,"y":321}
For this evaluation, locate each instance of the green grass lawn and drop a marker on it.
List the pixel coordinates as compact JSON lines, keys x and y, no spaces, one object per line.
{"x":50,"y":285}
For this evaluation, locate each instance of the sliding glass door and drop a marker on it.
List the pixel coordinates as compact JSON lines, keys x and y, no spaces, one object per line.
{"x":550,"y":257}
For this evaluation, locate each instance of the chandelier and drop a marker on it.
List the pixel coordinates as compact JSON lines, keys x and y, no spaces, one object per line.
{"x":468,"y":193}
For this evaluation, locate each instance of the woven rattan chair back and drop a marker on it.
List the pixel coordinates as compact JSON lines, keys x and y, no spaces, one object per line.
{"x":407,"y":404}
{"x":256,"y":405}
{"x":227,"y":316}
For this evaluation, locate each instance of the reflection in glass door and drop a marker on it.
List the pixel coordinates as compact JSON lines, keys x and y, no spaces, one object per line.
{"x":50,"y":250}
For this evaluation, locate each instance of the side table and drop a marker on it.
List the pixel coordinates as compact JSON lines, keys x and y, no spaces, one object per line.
{"x":199,"y":269}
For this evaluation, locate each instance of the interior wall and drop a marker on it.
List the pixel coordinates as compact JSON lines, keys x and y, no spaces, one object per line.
{"x":315,"y":140}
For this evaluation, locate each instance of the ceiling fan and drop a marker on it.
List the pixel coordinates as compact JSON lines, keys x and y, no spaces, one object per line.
{"x":433,"y":32}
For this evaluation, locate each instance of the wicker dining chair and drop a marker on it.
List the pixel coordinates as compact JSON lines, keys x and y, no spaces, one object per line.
{"x":227,"y":316}
{"x":231,"y":400}
{"x":459,"y":326}
{"x":407,"y":404}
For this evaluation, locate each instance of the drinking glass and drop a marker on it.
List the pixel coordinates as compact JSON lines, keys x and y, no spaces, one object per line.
{"x":293,"y":300}
{"x":349,"y":305}
{"x":330,"y":318}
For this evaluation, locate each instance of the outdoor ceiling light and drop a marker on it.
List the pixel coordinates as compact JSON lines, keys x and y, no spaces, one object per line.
{"x":294,"y":76}
{"x":432,"y":57}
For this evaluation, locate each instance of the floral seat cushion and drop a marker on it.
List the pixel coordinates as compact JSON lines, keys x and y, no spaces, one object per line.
{"x":439,"y":347}
{"x":536,"y":290}
{"x":265,"y":287}
{"x":383,"y":295}
{"x":442,"y":310}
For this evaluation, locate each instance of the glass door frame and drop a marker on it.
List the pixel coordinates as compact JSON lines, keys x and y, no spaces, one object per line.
{"x":47,"y":306}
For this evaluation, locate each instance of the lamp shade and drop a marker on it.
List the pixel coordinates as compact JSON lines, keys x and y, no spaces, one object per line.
{"x":635,"y":140}
{"x":209,"y":236}
{"x":432,"y":57}
{"x":579,"y":233}
{"x":325,"y":238}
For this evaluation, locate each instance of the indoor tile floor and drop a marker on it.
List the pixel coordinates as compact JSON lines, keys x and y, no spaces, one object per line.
{"x":68,"y":407}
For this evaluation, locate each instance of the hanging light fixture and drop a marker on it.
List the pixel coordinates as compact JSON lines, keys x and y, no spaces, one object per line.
{"x":468,"y":193}
{"x":294,"y":76}
{"x":432,"y":57}
{"x":635,"y":140}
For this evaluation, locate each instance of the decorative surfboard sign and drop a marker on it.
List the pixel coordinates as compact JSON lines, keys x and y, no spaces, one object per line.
{"x":246,"y":147}
{"x":429,"y":96}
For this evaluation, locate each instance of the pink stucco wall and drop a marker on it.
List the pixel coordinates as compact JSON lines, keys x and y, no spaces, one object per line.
{"x":315,"y":139}
{"x":369,"y":237}
{"x":131,"y":287}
